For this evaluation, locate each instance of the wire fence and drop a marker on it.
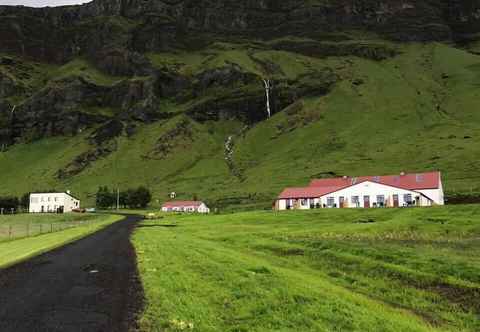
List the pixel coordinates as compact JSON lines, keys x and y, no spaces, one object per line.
{"x":9,"y":232}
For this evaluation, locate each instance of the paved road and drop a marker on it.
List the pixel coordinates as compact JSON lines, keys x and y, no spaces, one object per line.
{"x":90,"y":285}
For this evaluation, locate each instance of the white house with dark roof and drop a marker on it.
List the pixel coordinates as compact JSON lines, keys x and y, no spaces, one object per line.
{"x":53,"y":202}
{"x":420,"y":189}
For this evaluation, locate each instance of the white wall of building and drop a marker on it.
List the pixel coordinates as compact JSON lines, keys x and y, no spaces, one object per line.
{"x":436,"y":195}
{"x":51,"y":202}
{"x":200,"y":209}
{"x":282,"y":204}
{"x":374,"y":191}
{"x":203,"y":209}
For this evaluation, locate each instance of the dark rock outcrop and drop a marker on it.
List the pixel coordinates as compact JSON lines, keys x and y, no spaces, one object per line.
{"x":5,"y":124}
{"x":228,"y":76}
{"x":58,"y":110}
{"x":70,"y":105}
{"x":136,"y":99}
{"x":182,"y":134}
{"x":121,"y":62}
{"x":248,"y":103}
{"x":57,"y":34}
{"x":81,"y":162}
{"x":102,"y":142}
{"x":7,"y":86}
{"x":368,"y":50}
{"x":107,"y":132}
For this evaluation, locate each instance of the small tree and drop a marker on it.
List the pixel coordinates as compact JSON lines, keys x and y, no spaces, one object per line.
{"x":105,"y":198}
{"x":123,"y":199}
{"x":8,"y":203}
{"x":143,"y":197}
{"x":130,"y":198}
{"x":25,"y":201}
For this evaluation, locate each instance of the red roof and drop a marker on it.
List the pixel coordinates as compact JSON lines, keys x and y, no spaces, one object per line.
{"x":182,"y":204}
{"x":306,"y":192}
{"x":414,"y":181}
{"x":321,"y":187}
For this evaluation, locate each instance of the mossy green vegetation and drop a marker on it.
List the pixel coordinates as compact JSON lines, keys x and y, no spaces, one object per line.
{"x":416,"y":111}
{"x":324,"y":270}
{"x":83,"y":68}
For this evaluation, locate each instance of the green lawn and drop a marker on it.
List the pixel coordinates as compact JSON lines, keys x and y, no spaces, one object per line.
{"x":79,"y":226}
{"x":324,"y":270}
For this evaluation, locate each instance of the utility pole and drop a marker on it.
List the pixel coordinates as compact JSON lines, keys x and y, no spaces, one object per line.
{"x":118,"y":198}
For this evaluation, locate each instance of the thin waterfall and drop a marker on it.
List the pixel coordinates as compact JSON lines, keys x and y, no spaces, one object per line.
{"x":229,"y":148}
{"x":268,"y":86}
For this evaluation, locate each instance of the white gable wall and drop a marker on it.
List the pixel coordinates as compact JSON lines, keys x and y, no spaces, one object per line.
{"x":436,"y":195}
{"x":203,"y":208}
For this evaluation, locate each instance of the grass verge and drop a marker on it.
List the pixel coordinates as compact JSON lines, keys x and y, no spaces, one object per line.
{"x":327,"y":270}
{"x":16,"y":251}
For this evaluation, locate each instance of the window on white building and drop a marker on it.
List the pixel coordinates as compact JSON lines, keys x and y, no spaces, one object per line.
{"x":356,"y":201}
{"x":381,"y":200}
{"x":330,"y":201}
{"x":304,"y":202}
{"x":407,"y":198}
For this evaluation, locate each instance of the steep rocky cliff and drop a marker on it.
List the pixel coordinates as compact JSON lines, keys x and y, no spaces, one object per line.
{"x":57,"y":34}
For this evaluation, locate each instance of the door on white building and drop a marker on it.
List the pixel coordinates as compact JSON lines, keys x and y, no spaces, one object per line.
{"x":366,"y":202}
{"x":342,"y":202}
{"x":396,"y":202}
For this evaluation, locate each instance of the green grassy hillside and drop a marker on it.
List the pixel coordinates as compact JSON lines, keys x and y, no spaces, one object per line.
{"x":336,"y":270}
{"x":416,"y":111}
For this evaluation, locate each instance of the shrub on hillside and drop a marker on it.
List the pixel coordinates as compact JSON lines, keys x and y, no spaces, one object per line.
{"x":9,"y":203}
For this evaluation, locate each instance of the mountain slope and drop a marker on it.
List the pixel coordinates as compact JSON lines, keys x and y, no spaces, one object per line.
{"x":191,"y":117}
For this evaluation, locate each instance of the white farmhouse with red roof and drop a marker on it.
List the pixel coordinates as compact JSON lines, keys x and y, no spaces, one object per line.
{"x":185,"y":206}
{"x":420,"y":189}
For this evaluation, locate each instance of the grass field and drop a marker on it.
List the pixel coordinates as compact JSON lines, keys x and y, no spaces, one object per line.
{"x":324,"y":270}
{"x":57,"y":231}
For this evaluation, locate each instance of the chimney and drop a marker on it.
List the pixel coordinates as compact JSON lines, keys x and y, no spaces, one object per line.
{"x":402,"y":173}
{"x":68,"y":192}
